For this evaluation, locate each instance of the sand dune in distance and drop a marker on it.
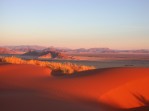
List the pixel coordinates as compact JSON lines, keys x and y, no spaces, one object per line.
{"x":34,"y":88}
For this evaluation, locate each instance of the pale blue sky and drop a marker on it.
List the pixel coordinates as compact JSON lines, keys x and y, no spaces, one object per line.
{"x":118,"y":24}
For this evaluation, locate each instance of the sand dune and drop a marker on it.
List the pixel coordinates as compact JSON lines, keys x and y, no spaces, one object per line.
{"x":33,"y":88}
{"x":131,"y":94}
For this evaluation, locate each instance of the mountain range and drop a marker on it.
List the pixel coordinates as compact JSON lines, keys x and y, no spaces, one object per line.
{"x":40,"y":50}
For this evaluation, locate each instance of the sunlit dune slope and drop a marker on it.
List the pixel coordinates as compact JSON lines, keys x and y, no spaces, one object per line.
{"x":35,"y":88}
{"x":132,"y":94}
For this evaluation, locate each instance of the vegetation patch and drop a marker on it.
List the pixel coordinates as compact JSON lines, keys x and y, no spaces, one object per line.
{"x":66,"y":68}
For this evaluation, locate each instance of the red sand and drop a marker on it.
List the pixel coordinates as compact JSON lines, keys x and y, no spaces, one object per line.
{"x":32,"y":88}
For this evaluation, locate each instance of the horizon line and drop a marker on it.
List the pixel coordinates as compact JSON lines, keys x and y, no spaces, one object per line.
{"x":75,"y":48}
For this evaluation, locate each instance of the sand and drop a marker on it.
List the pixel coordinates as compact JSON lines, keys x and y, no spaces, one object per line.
{"x":34,"y":88}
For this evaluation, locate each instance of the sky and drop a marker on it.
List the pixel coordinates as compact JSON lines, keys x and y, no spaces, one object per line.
{"x":117,"y":24}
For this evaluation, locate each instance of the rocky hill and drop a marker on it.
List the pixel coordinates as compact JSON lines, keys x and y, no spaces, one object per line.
{"x":7,"y":51}
{"x":47,"y":54}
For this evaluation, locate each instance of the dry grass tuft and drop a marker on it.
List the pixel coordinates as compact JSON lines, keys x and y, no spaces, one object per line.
{"x":67,"y":68}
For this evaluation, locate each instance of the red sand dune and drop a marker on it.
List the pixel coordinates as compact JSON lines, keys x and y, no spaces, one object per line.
{"x":33,"y":88}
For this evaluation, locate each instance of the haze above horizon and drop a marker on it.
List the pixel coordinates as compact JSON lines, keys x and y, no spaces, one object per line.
{"x":117,"y":24}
